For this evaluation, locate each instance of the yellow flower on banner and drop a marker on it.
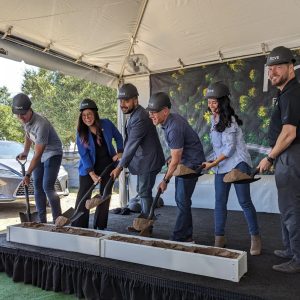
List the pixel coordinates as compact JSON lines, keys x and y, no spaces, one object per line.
{"x":206,"y":117}
{"x":262,"y":112}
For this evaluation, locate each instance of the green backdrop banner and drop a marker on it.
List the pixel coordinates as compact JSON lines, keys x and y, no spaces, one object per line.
{"x":251,"y":95}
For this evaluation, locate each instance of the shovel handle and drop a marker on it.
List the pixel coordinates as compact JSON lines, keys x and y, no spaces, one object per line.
{"x":27,"y":200}
{"x":105,"y":171}
{"x":151,"y":214}
{"x":22,"y":162}
{"x":255,"y":172}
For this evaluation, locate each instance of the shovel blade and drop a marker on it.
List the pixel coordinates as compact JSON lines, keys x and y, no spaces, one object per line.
{"x":244,"y":181}
{"x":142,"y":224}
{"x":69,"y":213}
{"x":32,"y":217}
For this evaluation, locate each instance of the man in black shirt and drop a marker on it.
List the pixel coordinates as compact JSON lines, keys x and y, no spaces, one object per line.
{"x":284,"y":136}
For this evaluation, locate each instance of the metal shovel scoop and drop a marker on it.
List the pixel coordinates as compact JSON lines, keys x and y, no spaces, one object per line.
{"x":99,"y":200}
{"x":65,"y":219}
{"x":197,"y":172}
{"x":27,"y":216}
{"x":72,"y":214}
{"x":144,"y":225}
{"x":240,"y":177}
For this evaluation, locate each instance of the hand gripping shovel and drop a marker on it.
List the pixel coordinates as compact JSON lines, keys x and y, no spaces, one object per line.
{"x":144,"y":225}
{"x":238,"y":177}
{"x":99,"y":200}
{"x":72,"y":214}
{"x":27,"y":216}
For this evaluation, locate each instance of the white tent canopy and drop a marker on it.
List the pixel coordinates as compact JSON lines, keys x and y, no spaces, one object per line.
{"x":98,"y":35}
{"x":92,"y":39}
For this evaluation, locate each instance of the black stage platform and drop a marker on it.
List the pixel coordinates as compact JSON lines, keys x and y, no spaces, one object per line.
{"x":92,"y":277}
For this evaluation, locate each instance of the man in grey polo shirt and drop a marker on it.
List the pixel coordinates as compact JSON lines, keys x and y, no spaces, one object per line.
{"x":186,"y":149}
{"x":46,"y":161}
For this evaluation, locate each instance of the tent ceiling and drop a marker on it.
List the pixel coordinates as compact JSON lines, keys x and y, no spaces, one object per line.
{"x":100,"y":33}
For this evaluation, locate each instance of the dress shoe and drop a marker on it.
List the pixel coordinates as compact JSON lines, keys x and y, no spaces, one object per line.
{"x":116,"y":210}
{"x":288,"y":267}
{"x":283,"y":254}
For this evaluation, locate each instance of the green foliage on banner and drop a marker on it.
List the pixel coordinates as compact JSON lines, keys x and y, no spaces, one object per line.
{"x":187,"y":89}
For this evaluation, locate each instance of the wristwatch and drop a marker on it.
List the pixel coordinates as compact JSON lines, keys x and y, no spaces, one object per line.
{"x":166,"y":180}
{"x":270,"y":160}
{"x":28,"y":175}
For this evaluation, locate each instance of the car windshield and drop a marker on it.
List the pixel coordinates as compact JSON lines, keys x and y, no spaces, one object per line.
{"x":9,"y":149}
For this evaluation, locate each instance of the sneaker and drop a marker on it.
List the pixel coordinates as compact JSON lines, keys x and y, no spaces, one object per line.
{"x":288,"y":267}
{"x":283,"y":254}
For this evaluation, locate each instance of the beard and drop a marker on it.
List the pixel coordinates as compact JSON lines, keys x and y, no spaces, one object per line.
{"x":275,"y":81}
{"x":127,"y":111}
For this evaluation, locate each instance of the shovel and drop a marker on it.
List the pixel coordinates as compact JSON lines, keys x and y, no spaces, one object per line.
{"x":72,"y":214}
{"x":27,"y":216}
{"x":250,"y":178}
{"x":144,"y":225}
{"x":97,"y":201}
{"x":197,"y":173}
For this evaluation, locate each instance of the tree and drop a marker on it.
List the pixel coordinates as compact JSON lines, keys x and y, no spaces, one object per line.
{"x":57,"y":97}
{"x":10,"y":128}
{"x":4,"y":96}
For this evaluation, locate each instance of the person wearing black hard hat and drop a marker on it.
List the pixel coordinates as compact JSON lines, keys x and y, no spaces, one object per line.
{"x":284,"y":138}
{"x":45,"y":164}
{"x":94,"y":141}
{"x":143,"y":154}
{"x":186,"y":149}
{"x":230,"y":152}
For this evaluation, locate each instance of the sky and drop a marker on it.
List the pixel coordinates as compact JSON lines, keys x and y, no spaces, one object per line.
{"x":11,"y":74}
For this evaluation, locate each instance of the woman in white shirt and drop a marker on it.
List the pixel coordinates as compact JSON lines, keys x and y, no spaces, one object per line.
{"x":230,"y":152}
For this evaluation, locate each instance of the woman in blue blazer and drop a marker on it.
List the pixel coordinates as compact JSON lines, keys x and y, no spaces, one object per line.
{"x":94,"y":142}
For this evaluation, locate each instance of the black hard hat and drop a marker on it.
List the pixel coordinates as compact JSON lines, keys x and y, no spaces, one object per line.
{"x":217,"y":90}
{"x":21,"y":104}
{"x":158,"y":101}
{"x":280,"y":55}
{"x":127,"y":91}
{"x":88,"y":104}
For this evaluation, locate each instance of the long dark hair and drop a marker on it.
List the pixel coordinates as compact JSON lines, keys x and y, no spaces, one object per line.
{"x":226,"y":112}
{"x":83,"y":129}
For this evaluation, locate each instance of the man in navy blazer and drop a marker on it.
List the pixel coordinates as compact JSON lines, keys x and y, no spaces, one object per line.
{"x":143,"y":154}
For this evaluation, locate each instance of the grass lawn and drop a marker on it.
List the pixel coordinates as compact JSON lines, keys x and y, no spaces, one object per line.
{"x":18,"y":290}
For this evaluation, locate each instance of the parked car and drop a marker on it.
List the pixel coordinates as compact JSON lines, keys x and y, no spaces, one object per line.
{"x":11,"y":188}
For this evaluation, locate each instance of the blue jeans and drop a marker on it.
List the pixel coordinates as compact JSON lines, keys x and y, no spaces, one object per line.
{"x":243,"y":194}
{"x":44,"y":176}
{"x":145,"y":183}
{"x":184,"y":189}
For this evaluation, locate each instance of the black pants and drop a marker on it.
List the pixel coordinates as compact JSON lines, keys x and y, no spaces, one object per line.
{"x":101,"y":214}
{"x":287,"y":175}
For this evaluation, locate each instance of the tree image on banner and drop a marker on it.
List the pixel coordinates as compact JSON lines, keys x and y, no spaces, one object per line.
{"x":245,"y":79}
